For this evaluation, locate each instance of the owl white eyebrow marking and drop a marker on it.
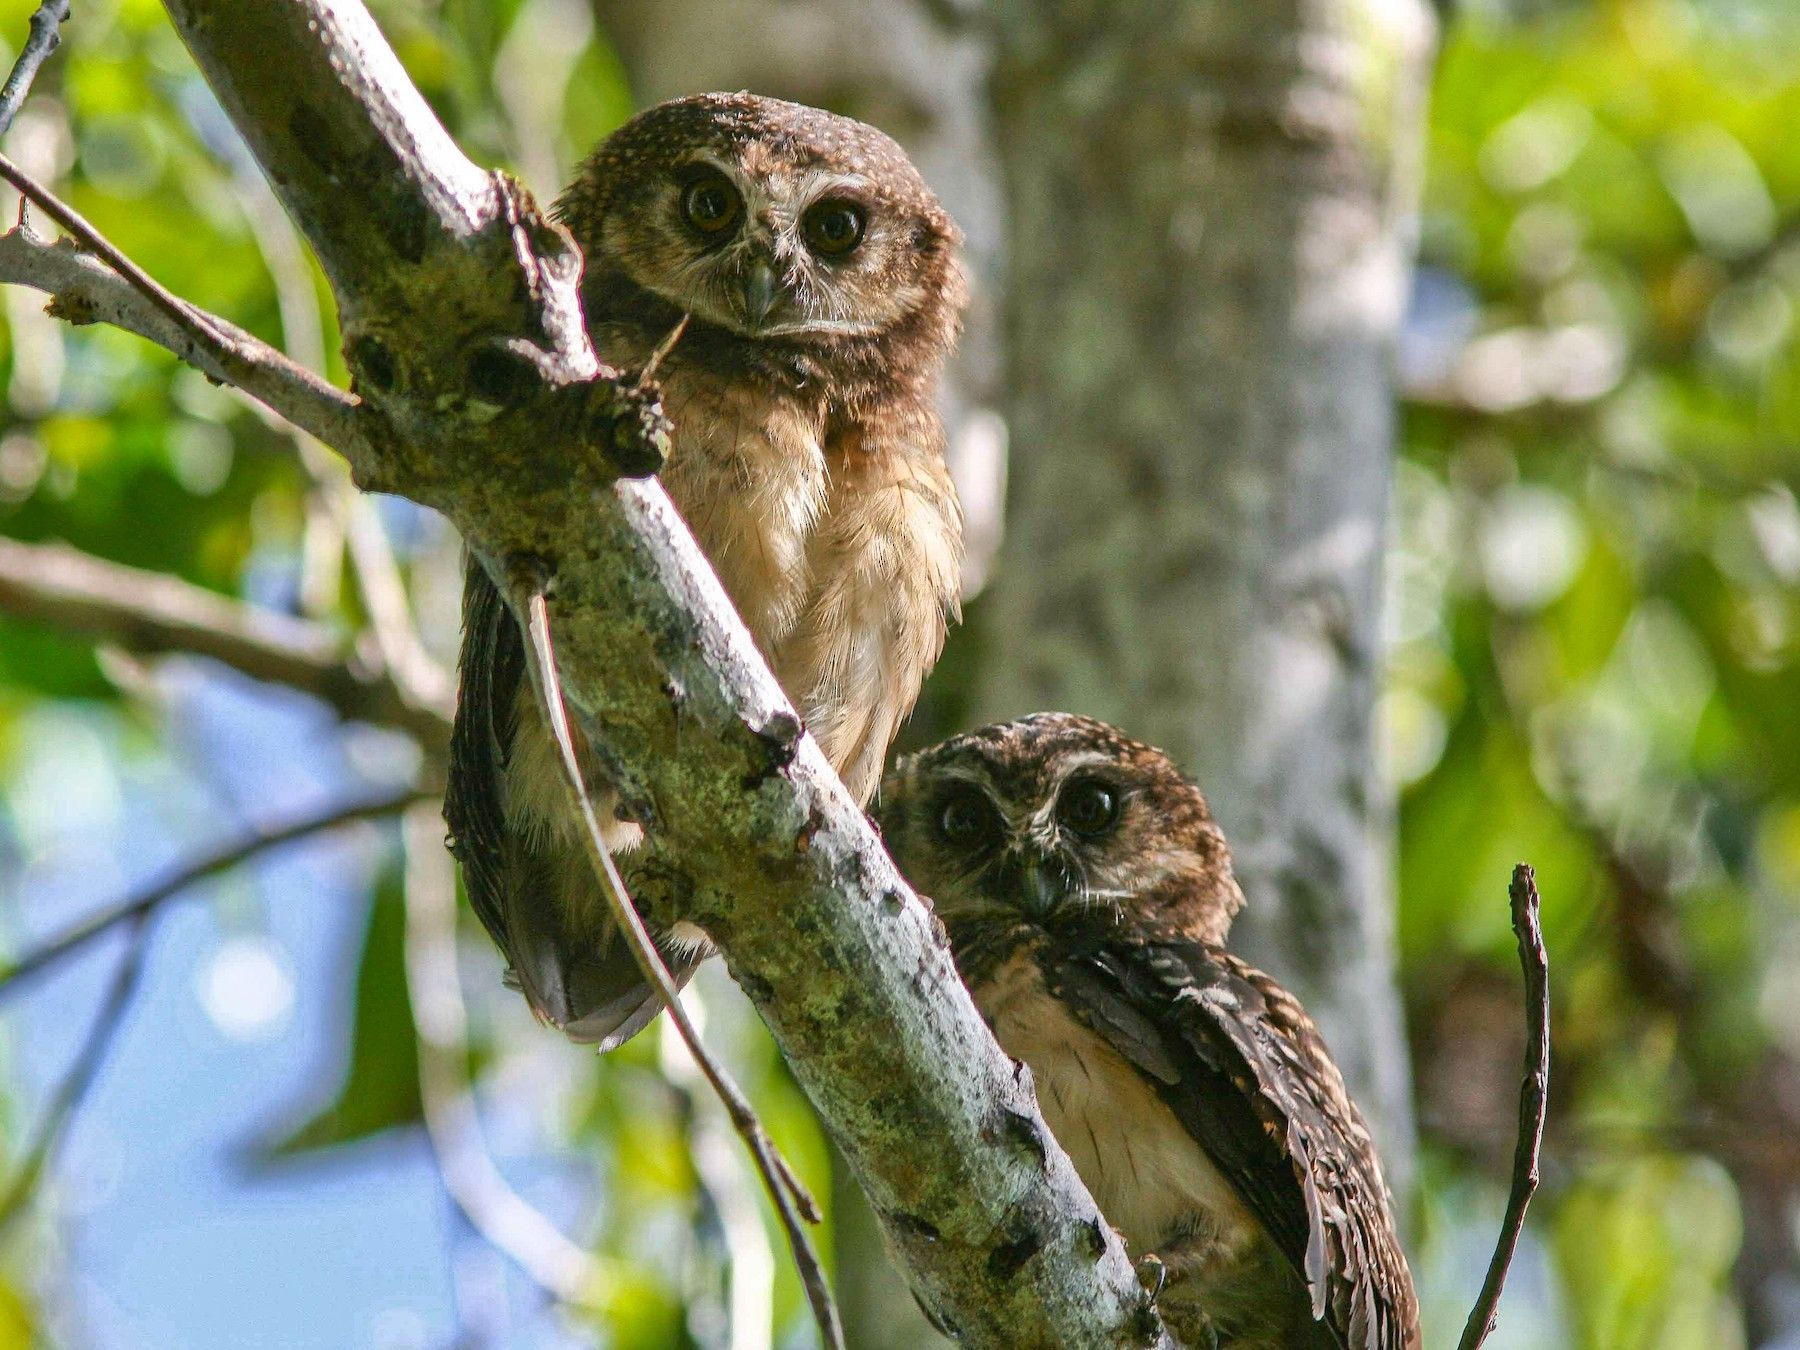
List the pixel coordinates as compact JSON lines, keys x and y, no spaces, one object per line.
{"x":1087,"y":759}
{"x":970,"y":776}
{"x":817,"y":183}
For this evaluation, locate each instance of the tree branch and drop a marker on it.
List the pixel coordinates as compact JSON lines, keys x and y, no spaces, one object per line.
{"x":481,"y":396}
{"x":46,"y":35}
{"x":89,"y":1060}
{"x":794,"y":1205}
{"x":726,"y":1179}
{"x":73,"y":939}
{"x":153,"y":612}
{"x":1534,"y":1095}
{"x":84,"y":290}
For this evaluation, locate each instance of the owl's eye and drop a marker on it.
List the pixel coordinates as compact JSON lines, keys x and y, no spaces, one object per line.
{"x":834,"y":227}
{"x":710,"y":204}
{"x":1088,"y":806}
{"x":967,"y":818}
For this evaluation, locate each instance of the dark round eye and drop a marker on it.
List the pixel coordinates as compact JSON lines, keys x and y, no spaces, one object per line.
{"x":834,"y":227}
{"x":1088,"y":806}
{"x":711,"y":204}
{"x":967,"y":818}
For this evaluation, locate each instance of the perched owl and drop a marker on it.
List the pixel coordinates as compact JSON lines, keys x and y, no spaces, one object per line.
{"x":821,"y":288}
{"x":1087,"y":893}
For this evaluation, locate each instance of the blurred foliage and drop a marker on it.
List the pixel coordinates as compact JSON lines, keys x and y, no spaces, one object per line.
{"x":381,"y":1086}
{"x":1593,"y":627}
{"x":1593,"y":630}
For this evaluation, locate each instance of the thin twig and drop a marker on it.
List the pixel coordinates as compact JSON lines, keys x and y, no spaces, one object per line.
{"x":245,"y":361}
{"x":188,"y":874}
{"x":657,"y":357}
{"x":790,"y":1196}
{"x":1534,"y":1094}
{"x":46,"y":35}
{"x":498,"y":1213}
{"x":81,"y":1076}
{"x":196,"y":323}
{"x":749,"y":1264}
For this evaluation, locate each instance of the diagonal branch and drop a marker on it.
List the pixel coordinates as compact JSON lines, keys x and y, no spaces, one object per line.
{"x":152,"y":612}
{"x":1534,"y":1094}
{"x":134,"y":908}
{"x":46,"y":35}
{"x":790,"y":1197}
{"x":82,"y":1074}
{"x":83,"y":289}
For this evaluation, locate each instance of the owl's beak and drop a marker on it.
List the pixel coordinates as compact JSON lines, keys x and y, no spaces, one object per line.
{"x":1043,"y":885}
{"x":759,"y":293}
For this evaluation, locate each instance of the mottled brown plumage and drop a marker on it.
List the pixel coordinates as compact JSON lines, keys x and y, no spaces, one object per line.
{"x":822,"y":291}
{"x":1087,"y":894}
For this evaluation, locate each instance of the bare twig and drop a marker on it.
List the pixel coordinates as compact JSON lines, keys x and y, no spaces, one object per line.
{"x":188,"y":874}
{"x":81,"y":1076}
{"x":196,"y":323}
{"x":749,"y":1264}
{"x":153,"y":612}
{"x":648,"y":374}
{"x":502,"y":1217}
{"x":791,"y":1199}
{"x":84,"y":290}
{"x":1533,"y":1096}
{"x":46,"y":35}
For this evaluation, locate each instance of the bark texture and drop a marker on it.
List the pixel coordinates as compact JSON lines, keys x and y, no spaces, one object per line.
{"x":1209,"y":222}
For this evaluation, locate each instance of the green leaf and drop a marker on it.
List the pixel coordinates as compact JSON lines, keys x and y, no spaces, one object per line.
{"x":381,"y":1089}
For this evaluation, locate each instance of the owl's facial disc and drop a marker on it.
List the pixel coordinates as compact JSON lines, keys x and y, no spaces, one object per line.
{"x":769,"y":249}
{"x":1032,"y":859}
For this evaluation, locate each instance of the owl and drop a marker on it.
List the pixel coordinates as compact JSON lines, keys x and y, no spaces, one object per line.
{"x":1087,"y":893}
{"x":817,"y":288}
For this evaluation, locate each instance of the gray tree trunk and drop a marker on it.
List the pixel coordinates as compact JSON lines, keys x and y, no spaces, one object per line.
{"x":1209,"y":229}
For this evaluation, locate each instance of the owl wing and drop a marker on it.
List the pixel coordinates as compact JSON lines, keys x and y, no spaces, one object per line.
{"x":532,"y":891}
{"x":886,"y":578}
{"x":492,"y":671}
{"x":1246,"y":1072}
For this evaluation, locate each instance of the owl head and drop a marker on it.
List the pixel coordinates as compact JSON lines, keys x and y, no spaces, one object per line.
{"x":1056,"y":819}
{"x":771,"y":220}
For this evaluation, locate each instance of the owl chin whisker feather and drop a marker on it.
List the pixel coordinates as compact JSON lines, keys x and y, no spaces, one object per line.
{"x":819,"y":328}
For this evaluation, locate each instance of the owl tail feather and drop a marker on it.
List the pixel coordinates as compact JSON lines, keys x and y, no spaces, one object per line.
{"x":579,"y":975}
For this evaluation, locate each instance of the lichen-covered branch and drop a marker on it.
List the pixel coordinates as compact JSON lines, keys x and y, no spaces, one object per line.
{"x":480,"y":395}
